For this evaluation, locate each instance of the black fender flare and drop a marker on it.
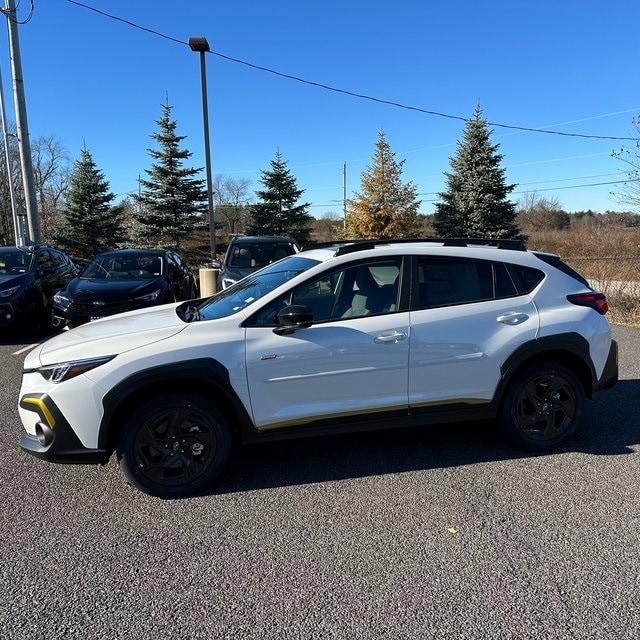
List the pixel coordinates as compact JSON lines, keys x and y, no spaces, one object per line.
{"x":203,"y":373}
{"x":565,"y":346}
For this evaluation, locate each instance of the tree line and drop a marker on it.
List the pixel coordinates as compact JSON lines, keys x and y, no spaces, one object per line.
{"x":78,"y":211}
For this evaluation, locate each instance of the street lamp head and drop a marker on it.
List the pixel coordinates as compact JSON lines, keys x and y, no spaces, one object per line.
{"x":199,"y":43}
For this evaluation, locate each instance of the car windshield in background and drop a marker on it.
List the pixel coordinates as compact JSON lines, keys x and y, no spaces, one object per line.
{"x":13,"y":262}
{"x":120,"y":267}
{"x":258,"y":254}
{"x":245,"y":292}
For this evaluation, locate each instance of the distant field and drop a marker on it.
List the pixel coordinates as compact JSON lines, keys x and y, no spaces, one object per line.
{"x":609,"y":257}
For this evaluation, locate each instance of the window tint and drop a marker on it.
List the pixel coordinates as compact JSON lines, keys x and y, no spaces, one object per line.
{"x":44,"y":259}
{"x":504,"y":286}
{"x":450,"y":281}
{"x":359,"y":290}
{"x":526,"y":279}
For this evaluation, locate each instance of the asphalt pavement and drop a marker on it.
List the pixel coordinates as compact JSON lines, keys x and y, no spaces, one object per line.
{"x":442,"y":532}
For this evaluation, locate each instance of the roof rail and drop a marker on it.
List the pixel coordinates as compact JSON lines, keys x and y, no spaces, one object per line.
{"x":350,"y":246}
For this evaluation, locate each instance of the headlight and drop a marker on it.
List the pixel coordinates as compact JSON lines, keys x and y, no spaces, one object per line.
{"x":63,"y":301}
{"x":66,"y":370}
{"x":7,"y":293}
{"x":149,"y":297}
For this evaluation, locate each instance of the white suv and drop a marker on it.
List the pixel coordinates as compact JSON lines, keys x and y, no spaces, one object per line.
{"x":369,"y":334}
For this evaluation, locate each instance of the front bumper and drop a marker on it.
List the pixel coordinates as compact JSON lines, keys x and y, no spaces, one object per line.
{"x":54,"y":439}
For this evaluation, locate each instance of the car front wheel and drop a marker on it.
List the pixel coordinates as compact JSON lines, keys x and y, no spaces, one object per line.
{"x":542,"y":406}
{"x":174,"y":446}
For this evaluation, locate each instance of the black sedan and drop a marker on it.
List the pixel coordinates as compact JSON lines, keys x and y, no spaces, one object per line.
{"x":124,"y":280}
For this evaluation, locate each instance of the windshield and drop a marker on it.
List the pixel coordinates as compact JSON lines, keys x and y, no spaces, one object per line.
{"x":14,"y":262}
{"x":255,"y":255}
{"x":246,"y":291}
{"x":141,"y":266}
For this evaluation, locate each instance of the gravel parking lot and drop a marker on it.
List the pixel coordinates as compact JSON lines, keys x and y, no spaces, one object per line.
{"x":433,"y":533}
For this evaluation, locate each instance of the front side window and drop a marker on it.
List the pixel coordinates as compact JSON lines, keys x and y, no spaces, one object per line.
{"x":367,"y":288}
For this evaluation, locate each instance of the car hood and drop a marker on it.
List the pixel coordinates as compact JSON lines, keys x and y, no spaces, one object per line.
{"x":7,"y":281}
{"x":107,"y":290}
{"x":109,"y":336}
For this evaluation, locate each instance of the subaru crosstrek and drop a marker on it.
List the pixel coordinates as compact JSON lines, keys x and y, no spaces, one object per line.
{"x":369,"y":334}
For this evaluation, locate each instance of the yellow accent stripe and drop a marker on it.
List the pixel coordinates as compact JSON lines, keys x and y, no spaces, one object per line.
{"x":43,"y":410}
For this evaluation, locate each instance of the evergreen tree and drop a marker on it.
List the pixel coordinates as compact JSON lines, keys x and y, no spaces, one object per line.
{"x":276,"y":212}
{"x":475,"y":203}
{"x":386,"y":208}
{"x":87,"y":223}
{"x":173,"y":201}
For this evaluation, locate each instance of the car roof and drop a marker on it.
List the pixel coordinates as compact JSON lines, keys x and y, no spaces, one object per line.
{"x":130,"y":252}
{"x":252,"y":239}
{"x":476,"y":248}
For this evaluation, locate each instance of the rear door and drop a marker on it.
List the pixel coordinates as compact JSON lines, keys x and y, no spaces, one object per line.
{"x":466,"y":319}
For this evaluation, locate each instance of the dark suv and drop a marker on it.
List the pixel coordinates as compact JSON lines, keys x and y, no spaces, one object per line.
{"x":29,"y":278}
{"x":247,"y":254}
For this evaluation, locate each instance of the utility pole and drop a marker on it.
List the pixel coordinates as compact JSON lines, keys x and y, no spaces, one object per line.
{"x":17,"y":230}
{"x":22,"y":128}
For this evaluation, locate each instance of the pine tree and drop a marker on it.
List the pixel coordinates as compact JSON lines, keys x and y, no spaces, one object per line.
{"x":276,"y":212}
{"x":87,"y":223}
{"x":173,"y":201}
{"x":475,"y":203}
{"x":386,"y":208}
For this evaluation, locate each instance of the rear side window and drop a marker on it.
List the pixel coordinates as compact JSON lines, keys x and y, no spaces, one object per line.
{"x":452,"y":281}
{"x":526,"y":279}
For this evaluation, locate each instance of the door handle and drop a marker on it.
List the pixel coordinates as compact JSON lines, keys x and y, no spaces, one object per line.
{"x":512,"y":318}
{"x":393,"y":337}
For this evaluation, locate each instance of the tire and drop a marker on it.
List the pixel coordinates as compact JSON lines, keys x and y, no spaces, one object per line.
{"x":542,"y":407}
{"x":174,"y":446}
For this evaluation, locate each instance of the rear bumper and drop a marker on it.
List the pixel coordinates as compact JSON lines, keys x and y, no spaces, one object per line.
{"x":609,"y":375}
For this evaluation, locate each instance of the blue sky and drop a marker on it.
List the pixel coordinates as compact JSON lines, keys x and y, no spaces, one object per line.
{"x":563,"y":65}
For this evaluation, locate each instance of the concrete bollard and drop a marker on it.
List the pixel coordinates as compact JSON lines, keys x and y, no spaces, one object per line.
{"x":208,"y":282}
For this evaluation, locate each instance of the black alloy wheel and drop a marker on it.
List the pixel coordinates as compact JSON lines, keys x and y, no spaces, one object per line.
{"x":542,"y":406}
{"x":174,"y":446}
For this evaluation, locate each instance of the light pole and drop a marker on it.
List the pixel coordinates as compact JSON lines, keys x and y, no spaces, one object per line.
{"x":199,"y":43}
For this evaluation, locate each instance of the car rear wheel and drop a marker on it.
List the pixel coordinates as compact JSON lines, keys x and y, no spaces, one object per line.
{"x":542,"y":406}
{"x":174,"y":446}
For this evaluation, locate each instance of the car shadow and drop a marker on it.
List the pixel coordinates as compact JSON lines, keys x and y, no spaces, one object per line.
{"x":609,"y":426}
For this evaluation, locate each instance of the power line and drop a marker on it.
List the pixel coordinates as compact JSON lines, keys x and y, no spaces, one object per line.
{"x":353,"y":94}
{"x":574,"y":186}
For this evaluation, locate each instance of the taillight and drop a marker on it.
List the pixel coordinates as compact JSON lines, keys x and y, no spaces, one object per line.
{"x":597,"y":301}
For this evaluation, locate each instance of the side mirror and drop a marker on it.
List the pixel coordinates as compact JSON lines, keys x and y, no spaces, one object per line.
{"x":215,"y":264}
{"x":295,"y":316}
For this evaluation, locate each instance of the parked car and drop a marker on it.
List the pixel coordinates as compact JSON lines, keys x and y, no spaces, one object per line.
{"x":372,"y":334}
{"x":247,"y":254}
{"x":123,"y":280}
{"x":29,"y":278}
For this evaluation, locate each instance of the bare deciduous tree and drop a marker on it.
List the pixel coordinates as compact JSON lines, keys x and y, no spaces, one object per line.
{"x":231,"y":197}
{"x":51,"y":169}
{"x":629,"y":192}
{"x":537,"y":213}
